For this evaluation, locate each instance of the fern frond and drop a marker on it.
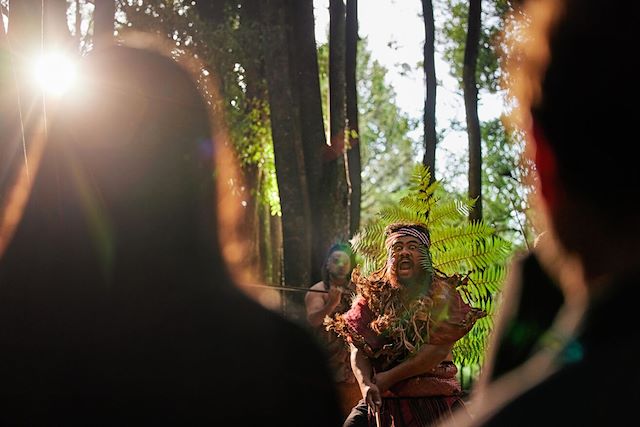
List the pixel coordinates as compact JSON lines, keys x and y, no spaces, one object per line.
{"x":457,"y":247}
{"x":401,"y":213}
{"x":417,"y":208}
{"x":475,"y":255}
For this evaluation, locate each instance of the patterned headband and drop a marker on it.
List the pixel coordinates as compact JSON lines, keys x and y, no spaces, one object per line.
{"x":407,"y":231}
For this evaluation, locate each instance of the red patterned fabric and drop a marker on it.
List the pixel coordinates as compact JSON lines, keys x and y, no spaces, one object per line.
{"x":359,"y":319}
{"x":415,"y":412}
{"x":441,"y":382}
{"x":449,"y":319}
{"x":439,"y":317}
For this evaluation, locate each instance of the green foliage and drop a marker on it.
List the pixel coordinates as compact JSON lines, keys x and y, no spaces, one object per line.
{"x":505,"y":183}
{"x":457,"y":247}
{"x":505,"y":192}
{"x":387,"y":150}
{"x":224,"y":49}
{"x":454,"y":34}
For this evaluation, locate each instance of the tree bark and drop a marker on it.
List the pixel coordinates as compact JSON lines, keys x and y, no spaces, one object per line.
{"x":313,"y":133}
{"x":335,"y":170}
{"x":288,"y":150}
{"x":21,"y":106}
{"x":353,"y":129}
{"x":103,"y":23}
{"x":277,"y":256}
{"x":9,"y":116}
{"x":472,"y":47}
{"x":429,"y":117}
{"x":255,"y":97}
{"x":251,"y":181}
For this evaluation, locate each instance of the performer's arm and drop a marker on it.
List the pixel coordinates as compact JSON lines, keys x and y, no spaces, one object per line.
{"x":427,"y":358}
{"x":319,"y":305}
{"x":363,"y":372}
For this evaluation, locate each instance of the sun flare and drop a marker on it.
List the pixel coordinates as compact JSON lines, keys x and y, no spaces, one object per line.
{"x":55,"y":73}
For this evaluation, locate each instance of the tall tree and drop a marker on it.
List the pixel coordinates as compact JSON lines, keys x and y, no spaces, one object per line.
{"x":307,"y":85}
{"x":335,"y":171}
{"x":470,"y":87}
{"x":23,"y":104}
{"x":429,"y":115}
{"x":103,"y":23}
{"x":228,"y":36}
{"x":56,"y":31}
{"x":261,"y":255}
{"x":354,"y":160}
{"x":287,"y":142}
{"x":387,"y":150}
{"x":9,"y":113}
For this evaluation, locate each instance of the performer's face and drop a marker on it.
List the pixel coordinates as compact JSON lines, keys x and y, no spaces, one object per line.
{"x":406,"y":252}
{"x":339,"y":264}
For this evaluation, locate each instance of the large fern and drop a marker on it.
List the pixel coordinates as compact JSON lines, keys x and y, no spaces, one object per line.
{"x":457,"y":246}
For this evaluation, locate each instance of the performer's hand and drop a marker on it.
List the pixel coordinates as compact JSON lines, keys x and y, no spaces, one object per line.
{"x":334,"y":296}
{"x":373,"y":396}
{"x":382,"y":380}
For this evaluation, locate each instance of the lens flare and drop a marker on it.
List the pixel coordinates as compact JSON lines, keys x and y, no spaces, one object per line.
{"x":55,"y":73}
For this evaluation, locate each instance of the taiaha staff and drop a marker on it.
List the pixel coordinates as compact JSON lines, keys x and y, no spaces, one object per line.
{"x":289,"y":288}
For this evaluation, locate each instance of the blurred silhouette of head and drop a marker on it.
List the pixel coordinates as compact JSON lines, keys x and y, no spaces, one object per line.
{"x":575,"y":123}
{"x":125,"y":195}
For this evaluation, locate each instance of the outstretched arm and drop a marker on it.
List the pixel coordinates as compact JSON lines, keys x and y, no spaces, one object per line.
{"x":428,"y":357}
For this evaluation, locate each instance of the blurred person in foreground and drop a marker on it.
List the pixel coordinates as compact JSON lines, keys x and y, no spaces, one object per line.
{"x":332,"y":295}
{"x":583,"y":372}
{"x":401,"y":329}
{"x":528,"y":305}
{"x":116,"y":304}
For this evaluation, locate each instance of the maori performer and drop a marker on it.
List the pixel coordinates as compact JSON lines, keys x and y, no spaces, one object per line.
{"x":401,"y":329}
{"x":336,"y":298}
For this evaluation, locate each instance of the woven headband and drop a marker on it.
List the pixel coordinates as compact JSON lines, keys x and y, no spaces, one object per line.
{"x":407,"y":231}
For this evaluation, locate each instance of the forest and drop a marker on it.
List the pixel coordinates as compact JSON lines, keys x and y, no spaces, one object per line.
{"x":323,"y":150}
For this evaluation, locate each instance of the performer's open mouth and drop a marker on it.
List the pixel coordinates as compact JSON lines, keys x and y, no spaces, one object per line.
{"x":405,"y":264}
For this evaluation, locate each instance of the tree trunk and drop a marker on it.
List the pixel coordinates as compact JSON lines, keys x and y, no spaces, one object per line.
{"x":277,"y":256}
{"x":21,"y":106}
{"x":10,"y":139}
{"x":25,"y":26}
{"x":471,"y":107}
{"x":78,"y":28}
{"x":313,"y":133}
{"x":288,"y":150}
{"x":103,"y":19}
{"x":23,"y":128}
{"x":353,"y":129}
{"x":255,"y":97}
{"x":267,"y":250}
{"x":429,"y":118}
{"x":251,"y":178}
{"x":212,"y":11}
{"x":335,"y":170}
